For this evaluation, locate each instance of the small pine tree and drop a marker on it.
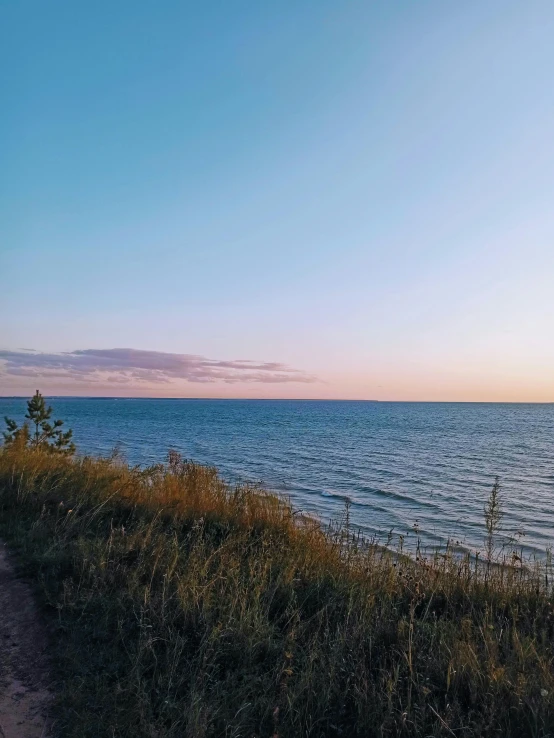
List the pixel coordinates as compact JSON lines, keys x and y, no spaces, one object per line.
{"x":46,"y":436}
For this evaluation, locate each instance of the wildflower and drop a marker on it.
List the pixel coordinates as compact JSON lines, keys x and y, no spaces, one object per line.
{"x":544,"y":692}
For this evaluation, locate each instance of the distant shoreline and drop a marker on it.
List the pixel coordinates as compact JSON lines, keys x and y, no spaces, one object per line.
{"x":288,"y":399}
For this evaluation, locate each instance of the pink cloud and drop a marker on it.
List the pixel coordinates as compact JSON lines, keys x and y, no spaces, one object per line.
{"x":137,"y":367}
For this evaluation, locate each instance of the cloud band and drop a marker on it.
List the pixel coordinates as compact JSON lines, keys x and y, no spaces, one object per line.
{"x":132,"y":366}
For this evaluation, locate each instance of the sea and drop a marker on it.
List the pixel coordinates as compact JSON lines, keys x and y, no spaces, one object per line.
{"x":409,"y":472}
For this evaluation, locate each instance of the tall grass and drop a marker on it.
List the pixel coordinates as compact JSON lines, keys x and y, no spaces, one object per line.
{"x":186,"y":607}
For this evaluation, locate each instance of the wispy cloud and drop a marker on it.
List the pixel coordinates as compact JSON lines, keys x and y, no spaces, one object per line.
{"x":134,"y":367}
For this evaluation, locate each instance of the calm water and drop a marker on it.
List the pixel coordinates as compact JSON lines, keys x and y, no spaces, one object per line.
{"x":400,"y":464}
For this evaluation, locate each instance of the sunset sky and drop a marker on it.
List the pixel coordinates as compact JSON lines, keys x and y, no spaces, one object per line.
{"x":302,"y":198}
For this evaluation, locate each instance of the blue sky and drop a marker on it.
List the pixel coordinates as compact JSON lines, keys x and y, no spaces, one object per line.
{"x":354,"y":196}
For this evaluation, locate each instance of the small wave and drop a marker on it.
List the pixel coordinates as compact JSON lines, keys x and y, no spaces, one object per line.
{"x":405,"y":499}
{"x":339,"y":495}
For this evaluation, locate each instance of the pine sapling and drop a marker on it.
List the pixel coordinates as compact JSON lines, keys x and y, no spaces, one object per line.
{"x":46,"y":436}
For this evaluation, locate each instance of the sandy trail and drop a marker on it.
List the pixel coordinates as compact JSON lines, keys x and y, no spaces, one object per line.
{"x":24,"y":693}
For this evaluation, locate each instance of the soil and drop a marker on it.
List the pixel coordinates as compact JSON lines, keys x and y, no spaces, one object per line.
{"x":25,"y":695}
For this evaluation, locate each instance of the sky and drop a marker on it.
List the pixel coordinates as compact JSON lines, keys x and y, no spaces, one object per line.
{"x":302,"y":198}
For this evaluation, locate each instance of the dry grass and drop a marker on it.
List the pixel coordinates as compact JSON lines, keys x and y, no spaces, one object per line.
{"x":186,"y":607}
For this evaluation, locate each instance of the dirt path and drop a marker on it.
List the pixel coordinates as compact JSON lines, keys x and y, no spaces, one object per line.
{"x":24,"y":693}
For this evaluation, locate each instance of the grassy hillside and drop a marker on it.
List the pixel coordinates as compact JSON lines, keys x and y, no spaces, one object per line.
{"x":181,"y":606}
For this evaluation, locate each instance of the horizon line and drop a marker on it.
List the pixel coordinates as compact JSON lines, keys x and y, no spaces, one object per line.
{"x":283,"y":399}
